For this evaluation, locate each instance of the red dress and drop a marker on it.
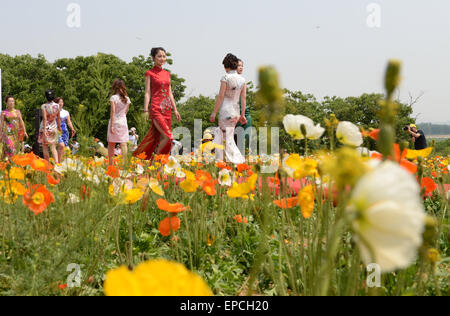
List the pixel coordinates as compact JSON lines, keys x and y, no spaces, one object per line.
{"x":160,"y":113}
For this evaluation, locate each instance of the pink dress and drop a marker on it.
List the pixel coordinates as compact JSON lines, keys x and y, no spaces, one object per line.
{"x":120,"y":121}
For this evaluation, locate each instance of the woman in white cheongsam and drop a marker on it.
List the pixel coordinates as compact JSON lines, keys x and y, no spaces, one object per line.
{"x":232,"y":89}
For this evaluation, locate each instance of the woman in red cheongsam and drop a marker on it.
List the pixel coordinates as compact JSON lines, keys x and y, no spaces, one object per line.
{"x":158,"y":88}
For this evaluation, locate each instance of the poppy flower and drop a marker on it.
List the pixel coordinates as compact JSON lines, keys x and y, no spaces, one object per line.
{"x":142,"y":156}
{"x":62,"y":286}
{"x":51,"y":180}
{"x":243,"y":167}
{"x":400,"y":158}
{"x":37,"y":198}
{"x":42,"y":165}
{"x":202,"y":177}
{"x":306,"y":201}
{"x":209,"y":187}
{"x":23,"y":160}
{"x":287,"y":203}
{"x":85,"y":192}
{"x":240,"y":219}
{"x":113,"y":172}
{"x":429,"y":185}
{"x":16,"y":173}
{"x":171,"y":208}
{"x":169,"y":224}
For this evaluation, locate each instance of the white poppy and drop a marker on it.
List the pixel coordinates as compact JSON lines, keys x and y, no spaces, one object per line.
{"x":172,"y":167}
{"x":225,"y":178}
{"x":292,"y":125}
{"x":349,"y":134}
{"x":390,"y":217}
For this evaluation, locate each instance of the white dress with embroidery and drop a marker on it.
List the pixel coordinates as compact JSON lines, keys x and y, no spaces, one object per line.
{"x":229,"y":115}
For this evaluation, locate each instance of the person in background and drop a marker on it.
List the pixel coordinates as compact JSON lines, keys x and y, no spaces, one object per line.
{"x":117,"y":150}
{"x":418,"y":137}
{"x":75,"y":146}
{"x":134,"y":139}
{"x":63,"y":140}
{"x":50,"y":126}
{"x":249,"y":124}
{"x":12,"y":129}
{"x":118,"y":125}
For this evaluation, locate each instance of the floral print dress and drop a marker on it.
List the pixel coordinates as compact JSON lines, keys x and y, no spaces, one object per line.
{"x":11,"y":132}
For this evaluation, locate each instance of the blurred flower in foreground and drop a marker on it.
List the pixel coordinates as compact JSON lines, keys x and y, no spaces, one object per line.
{"x":292,"y":125}
{"x":414,"y":154}
{"x":306,"y":201}
{"x":390,"y":217}
{"x":38,"y":198}
{"x":349,"y":134}
{"x":155,"y":278}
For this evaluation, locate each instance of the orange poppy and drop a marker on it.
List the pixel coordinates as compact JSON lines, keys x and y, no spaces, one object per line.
{"x":42,"y":165}
{"x":23,"y":160}
{"x":169,"y":224}
{"x":240,"y":219}
{"x":171,"y":208}
{"x":202,"y":177}
{"x":287,"y":203}
{"x":221,"y":165}
{"x":37,"y":198}
{"x":210,"y":187}
{"x":400,"y":158}
{"x":113,"y":172}
{"x":142,"y":156}
{"x":62,"y":286}
{"x":51,"y":180}
{"x":243,"y":167}
{"x":163,"y":159}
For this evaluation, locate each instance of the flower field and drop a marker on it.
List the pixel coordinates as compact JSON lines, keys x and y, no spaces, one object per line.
{"x":324,"y":223}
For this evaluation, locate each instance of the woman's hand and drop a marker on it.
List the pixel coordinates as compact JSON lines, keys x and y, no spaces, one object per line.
{"x":147,"y":115}
{"x":243,"y":120}
{"x":73,"y":132}
{"x":212,"y":118}
{"x":25,"y":135}
{"x":178,"y":116}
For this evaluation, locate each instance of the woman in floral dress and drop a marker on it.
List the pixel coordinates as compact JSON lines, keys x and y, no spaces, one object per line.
{"x":50,"y":126}
{"x":12,"y":129}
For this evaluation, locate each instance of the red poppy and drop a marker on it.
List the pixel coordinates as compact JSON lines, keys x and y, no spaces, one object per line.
{"x":374,"y":134}
{"x":142,"y":156}
{"x":62,"y":286}
{"x":85,"y":192}
{"x":429,"y":185}
{"x":169,"y":224}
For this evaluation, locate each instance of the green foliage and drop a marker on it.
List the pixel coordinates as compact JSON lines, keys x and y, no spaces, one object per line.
{"x":83,"y":82}
{"x":434,"y":129}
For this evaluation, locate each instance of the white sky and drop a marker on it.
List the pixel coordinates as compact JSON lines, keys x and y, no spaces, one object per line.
{"x":324,"y":47}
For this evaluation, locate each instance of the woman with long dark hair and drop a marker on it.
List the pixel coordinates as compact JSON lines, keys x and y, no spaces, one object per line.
{"x":118,"y":125}
{"x":158,"y":89}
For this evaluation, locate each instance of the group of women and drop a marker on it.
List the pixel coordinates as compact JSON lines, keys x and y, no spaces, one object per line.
{"x":53,"y":131}
{"x":159,"y":106}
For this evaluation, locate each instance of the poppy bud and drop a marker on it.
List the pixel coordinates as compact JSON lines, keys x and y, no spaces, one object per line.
{"x":392,"y":78}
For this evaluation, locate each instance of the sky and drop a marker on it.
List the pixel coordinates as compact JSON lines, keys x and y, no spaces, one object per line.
{"x":322,"y":47}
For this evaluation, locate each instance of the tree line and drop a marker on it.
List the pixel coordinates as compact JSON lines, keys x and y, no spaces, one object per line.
{"x":85,"y":82}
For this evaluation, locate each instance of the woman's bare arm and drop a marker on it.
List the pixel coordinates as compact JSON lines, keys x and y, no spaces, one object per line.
{"x":219,"y":101}
{"x":147,"y":96}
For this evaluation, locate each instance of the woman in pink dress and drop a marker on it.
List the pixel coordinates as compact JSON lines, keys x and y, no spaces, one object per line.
{"x":118,"y":126}
{"x":50,"y":126}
